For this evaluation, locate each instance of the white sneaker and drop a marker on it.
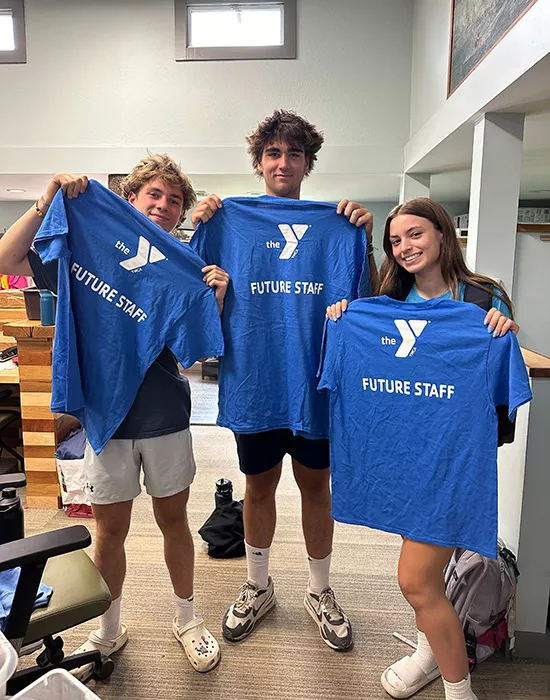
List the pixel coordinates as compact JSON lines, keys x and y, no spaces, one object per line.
{"x":199,"y":645}
{"x":334,"y":625}
{"x":251,"y":605}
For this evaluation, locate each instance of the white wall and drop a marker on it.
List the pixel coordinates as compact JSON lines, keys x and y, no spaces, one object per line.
{"x":101,"y":85}
{"x":10,"y":212}
{"x":430,"y":51}
{"x":532,"y":291}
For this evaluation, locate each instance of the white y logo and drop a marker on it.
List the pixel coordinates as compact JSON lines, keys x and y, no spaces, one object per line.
{"x":409,"y":331}
{"x":145,"y":254}
{"x":292,"y":235}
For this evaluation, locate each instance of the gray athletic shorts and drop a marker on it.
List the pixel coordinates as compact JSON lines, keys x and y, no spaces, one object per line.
{"x":114,"y":475}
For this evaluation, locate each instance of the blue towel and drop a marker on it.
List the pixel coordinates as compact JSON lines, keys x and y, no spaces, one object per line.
{"x":8,"y":584}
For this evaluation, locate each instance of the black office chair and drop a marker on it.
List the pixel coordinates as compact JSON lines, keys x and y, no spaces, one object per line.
{"x":7,"y":417}
{"x":79,"y":594}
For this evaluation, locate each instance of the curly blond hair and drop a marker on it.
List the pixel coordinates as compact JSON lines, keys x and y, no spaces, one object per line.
{"x":286,"y":126}
{"x":159,"y":165}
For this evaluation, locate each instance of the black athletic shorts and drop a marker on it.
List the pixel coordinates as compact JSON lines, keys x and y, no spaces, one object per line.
{"x":260,"y":452}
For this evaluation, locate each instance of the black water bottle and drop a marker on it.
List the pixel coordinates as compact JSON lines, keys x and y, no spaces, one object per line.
{"x":224,"y":492}
{"x":11,"y":516}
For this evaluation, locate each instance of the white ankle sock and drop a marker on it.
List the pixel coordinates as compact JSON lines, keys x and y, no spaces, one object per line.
{"x":459,"y":691}
{"x":319,"y":573}
{"x":424,"y":655}
{"x":109,"y":622}
{"x":185,"y":609}
{"x":258,"y":565}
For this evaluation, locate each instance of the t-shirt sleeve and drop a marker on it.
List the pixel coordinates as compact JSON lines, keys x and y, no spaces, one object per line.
{"x":45,"y":276}
{"x":506,"y":374}
{"x":328,"y":373}
{"x":198,"y":241}
{"x":197,"y":332}
{"x":51,"y":240}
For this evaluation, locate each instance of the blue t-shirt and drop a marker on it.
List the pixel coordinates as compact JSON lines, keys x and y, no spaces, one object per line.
{"x":414,"y":390}
{"x":288,"y":259}
{"x":415,"y":298}
{"x":126,"y":290}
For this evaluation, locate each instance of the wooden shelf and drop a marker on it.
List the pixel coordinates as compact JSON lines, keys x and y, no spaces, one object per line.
{"x":533,"y":228}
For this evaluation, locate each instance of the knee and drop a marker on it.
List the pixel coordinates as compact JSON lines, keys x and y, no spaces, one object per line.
{"x":417,"y":589}
{"x":172,"y":523}
{"x":314,"y":486}
{"x":260,"y":488}
{"x":111,"y":532}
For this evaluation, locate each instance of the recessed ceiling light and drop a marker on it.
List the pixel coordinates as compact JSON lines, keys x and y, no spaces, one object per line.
{"x":255,"y":194}
{"x":543,"y":191}
{"x":201,"y":193}
{"x":14,"y":190}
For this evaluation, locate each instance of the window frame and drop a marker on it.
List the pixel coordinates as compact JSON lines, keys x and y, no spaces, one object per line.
{"x":19,"y":54}
{"x":184,"y":52}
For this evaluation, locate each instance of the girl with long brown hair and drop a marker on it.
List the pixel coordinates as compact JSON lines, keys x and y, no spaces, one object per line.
{"x":424,"y":261}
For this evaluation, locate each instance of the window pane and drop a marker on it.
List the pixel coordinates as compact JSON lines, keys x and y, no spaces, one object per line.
{"x":241,"y":26}
{"x":7,"y":39}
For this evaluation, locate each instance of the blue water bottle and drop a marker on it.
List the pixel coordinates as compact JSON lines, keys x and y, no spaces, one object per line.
{"x":47,"y":307}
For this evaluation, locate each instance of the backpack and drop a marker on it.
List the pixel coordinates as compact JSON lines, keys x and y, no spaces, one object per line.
{"x":482,"y":592}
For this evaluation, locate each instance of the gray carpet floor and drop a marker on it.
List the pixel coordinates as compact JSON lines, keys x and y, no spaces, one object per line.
{"x":285,"y":657}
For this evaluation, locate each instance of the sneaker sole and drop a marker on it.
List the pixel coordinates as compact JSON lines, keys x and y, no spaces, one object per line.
{"x":315,"y":619}
{"x":267,"y":609}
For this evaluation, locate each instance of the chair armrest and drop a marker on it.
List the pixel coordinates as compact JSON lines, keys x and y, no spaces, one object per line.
{"x":39,"y":548}
{"x":15,"y":481}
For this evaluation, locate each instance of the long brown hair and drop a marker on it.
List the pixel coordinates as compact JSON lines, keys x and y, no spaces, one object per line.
{"x":396,"y":282}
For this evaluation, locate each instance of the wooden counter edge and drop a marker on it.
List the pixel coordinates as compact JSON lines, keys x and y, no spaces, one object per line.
{"x":537,"y":365}
{"x":28,"y":329}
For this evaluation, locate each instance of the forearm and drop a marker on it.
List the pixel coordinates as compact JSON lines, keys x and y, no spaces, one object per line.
{"x":16,"y":243}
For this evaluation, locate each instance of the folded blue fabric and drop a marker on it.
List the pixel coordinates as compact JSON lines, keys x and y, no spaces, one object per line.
{"x":8,"y":584}
{"x":73,"y":446}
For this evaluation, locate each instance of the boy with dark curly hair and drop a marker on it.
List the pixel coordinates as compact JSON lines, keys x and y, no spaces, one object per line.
{"x":283,"y":149}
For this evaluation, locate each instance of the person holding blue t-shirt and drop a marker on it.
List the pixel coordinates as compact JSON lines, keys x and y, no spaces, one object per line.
{"x":283,"y":149}
{"x":154,"y":436}
{"x":424,"y":262}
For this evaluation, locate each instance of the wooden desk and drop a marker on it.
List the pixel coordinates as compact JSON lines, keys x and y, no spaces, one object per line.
{"x":42,"y":429}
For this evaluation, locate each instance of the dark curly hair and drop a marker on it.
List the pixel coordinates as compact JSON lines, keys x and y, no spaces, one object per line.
{"x":287,"y":126}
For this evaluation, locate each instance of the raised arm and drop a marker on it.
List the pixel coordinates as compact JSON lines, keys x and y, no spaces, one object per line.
{"x":16,"y":242}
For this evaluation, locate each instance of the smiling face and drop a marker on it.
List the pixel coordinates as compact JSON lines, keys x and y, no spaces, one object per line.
{"x":283,"y":168}
{"x":415,"y":243}
{"x":160,"y":202}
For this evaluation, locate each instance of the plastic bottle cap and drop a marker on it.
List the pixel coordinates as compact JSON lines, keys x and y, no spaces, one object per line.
{"x":9,"y":493}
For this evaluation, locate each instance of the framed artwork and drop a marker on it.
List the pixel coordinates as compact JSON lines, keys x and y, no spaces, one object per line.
{"x":476,"y":28}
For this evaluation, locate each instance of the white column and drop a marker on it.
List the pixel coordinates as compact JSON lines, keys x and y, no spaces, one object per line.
{"x":413,"y":186}
{"x":494,"y":195}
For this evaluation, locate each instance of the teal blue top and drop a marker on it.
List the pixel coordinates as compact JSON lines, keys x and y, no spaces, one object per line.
{"x":415,"y":298}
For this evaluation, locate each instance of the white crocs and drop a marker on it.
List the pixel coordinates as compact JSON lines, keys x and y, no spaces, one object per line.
{"x":405,"y":678}
{"x":105,"y":646}
{"x":199,"y":645}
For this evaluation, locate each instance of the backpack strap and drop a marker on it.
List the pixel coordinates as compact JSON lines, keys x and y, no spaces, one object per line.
{"x":480,"y":297}
{"x":484,"y":299}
